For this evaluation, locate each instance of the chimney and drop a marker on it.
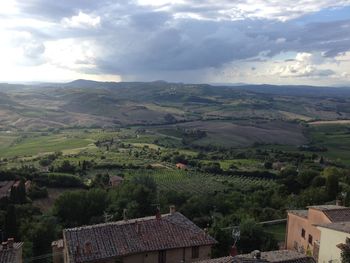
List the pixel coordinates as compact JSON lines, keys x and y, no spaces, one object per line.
{"x":233,"y":251}
{"x":172,"y":209}
{"x":158,"y":215}
{"x":137,"y":227}
{"x":4,"y":245}
{"x":88,"y":248}
{"x":338,"y":202}
{"x":256,"y":254}
{"x":10,"y":242}
{"x":125,"y":218}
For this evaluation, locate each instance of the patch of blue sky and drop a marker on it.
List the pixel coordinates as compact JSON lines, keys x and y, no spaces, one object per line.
{"x":325,"y":15}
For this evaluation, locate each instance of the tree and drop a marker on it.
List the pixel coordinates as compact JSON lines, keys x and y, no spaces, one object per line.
{"x":305,"y":177}
{"x":11,"y":221}
{"x":253,"y":237}
{"x":81,"y":207}
{"x":332,"y":186}
{"x":345,"y":253}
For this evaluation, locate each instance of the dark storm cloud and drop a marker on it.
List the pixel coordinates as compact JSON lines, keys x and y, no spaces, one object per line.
{"x":137,"y":39}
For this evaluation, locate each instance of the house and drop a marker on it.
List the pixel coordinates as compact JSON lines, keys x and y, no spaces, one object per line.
{"x":302,"y":233}
{"x":115,"y":180}
{"x":5,"y":188}
{"x":277,"y":256}
{"x":181,"y":166}
{"x":161,"y":238}
{"x":11,"y":252}
{"x":334,"y":238}
{"x":28,"y":185}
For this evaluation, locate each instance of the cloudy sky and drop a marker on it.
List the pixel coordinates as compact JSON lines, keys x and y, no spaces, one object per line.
{"x":198,"y":41}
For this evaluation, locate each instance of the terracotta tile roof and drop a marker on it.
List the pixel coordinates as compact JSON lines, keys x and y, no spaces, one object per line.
{"x":217,"y":260}
{"x":277,"y":256}
{"x":116,"y":178}
{"x":338,"y":215}
{"x":135,"y":236}
{"x":340,"y":226}
{"x":335,"y":213}
{"x":326,"y":207}
{"x":301,"y":213}
{"x":9,"y":255}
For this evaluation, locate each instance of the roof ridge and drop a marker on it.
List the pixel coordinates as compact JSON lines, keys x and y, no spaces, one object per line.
{"x":188,"y":228}
{"x":119,"y":222}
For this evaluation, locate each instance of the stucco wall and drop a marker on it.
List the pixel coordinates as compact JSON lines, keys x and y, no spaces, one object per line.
{"x":172,"y":256}
{"x":296,"y":224}
{"x":329,"y":240}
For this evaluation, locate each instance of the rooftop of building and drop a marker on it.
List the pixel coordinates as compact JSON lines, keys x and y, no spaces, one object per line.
{"x":301,"y":213}
{"x":8,"y":252}
{"x":127,"y":237}
{"x":335,"y":213}
{"x":289,"y":256}
{"x":116,"y":178}
{"x":277,"y":256}
{"x":339,"y":226}
{"x":327,"y":207}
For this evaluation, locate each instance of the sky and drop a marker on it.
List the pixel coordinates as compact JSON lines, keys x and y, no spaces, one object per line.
{"x":192,"y":41}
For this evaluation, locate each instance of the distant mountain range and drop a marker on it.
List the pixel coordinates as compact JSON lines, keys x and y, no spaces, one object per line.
{"x":91,"y":103}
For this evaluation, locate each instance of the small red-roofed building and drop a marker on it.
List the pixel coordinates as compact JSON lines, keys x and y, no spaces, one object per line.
{"x":115,"y":180}
{"x":181,"y":166}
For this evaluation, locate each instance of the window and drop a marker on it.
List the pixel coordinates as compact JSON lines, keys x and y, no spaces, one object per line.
{"x":303,"y":233}
{"x":195,"y":252}
{"x":162,"y":256}
{"x":310,"y":239}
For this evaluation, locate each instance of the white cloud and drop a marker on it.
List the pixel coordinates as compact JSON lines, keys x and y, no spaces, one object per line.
{"x":241,"y":9}
{"x":304,"y":65}
{"x":82,"y":20}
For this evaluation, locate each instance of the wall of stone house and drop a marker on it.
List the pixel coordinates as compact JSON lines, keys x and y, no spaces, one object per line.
{"x":294,"y":240}
{"x":58,"y":254}
{"x":19,"y":255}
{"x":172,"y":256}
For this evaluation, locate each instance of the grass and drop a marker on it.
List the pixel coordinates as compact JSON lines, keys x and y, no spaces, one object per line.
{"x":198,"y":183}
{"x":336,"y":138}
{"x":278,"y":231}
{"x":43,"y":144}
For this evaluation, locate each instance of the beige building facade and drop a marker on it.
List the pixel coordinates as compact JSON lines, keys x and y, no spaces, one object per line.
{"x":332,"y":236}
{"x":303,"y":235}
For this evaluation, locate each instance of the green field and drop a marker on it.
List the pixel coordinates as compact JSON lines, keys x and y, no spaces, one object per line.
{"x":199,"y":183}
{"x":336,"y":138}
{"x":278,"y":231}
{"x":43,"y":144}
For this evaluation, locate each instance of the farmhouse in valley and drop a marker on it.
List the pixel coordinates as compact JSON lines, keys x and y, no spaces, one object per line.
{"x":115,"y":180}
{"x":303,"y":233}
{"x":181,"y":166}
{"x":11,"y":252}
{"x":161,"y":238}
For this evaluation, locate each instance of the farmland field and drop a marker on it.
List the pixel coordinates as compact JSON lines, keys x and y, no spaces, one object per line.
{"x":199,"y":183}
